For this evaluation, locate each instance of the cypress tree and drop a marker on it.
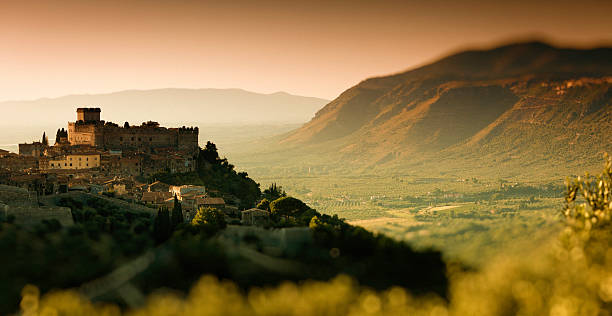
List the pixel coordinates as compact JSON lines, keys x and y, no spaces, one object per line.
{"x":161,"y":227}
{"x":45,"y":140}
{"x":177,"y":213}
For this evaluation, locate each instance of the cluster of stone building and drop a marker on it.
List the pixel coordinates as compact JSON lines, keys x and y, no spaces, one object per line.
{"x":100,"y":156}
{"x":104,"y":158}
{"x":191,"y":197}
{"x":194,"y":197}
{"x":91,"y":145}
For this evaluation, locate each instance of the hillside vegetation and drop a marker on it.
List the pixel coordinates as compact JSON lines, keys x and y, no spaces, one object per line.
{"x":119,"y":252}
{"x":569,"y":275}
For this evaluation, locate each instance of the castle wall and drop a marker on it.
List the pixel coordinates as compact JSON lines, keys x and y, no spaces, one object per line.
{"x":142,"y":138}
{"x":89,"y":130}
{"x":133,"y":138}
{"x":85,"y":134}
{"x":188,"y":140}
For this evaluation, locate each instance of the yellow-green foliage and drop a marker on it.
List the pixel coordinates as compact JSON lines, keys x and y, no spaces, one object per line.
{"x":562,"y":282}
{"x":596,"y":199}
{"x":210,"y":216}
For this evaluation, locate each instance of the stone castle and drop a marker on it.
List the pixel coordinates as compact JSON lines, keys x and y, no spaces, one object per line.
{"x":90,"y":130}
{"x":95,"y":146}
{"x":97,"y":157}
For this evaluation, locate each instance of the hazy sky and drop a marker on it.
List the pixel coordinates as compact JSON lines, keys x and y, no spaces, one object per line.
{"x":314,"y":48}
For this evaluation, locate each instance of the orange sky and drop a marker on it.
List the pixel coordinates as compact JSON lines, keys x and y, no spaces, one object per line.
{"x":314,"y":48}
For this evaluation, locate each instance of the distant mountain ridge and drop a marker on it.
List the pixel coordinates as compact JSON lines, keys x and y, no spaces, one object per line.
{"x":172,"y":105}
{"x":518,"y":100}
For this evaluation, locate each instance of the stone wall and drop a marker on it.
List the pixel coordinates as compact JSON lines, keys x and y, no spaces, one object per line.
{"x":143,"y":138}
{"x":88,"y":114}
{"x":188,"y":140}
{"x":22,"y":204}
{"x":14,"y":196}
{"x":18,"y":163}
{"x":29,"y":216}
{"x":85,"y":134}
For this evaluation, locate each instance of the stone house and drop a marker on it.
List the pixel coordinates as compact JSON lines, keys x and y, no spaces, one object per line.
{"x":181,"y":190}
{"x":255,"y":217}
{"x":71,"y":161}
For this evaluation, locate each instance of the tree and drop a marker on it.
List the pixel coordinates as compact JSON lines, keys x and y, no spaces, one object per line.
{"x":209,"y":216}
{"x":210,"y":153}
{"x":264,"y":205}
{"x":45,"y":140}
{"x":288,"y":206}
{"x":177,"y":213}
{"x":274,"y":192}
{"x":126,"y":125}
{"x":162,"y":228}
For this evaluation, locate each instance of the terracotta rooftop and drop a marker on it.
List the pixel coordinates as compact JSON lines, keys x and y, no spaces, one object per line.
{"x":155,"y":197}
{"x":211,"y":201}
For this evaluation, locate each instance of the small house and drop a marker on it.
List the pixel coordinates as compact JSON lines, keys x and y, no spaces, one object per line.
{"x":255,"y":217}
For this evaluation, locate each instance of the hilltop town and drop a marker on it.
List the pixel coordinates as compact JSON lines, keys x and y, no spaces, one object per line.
{"x":104,"y":158}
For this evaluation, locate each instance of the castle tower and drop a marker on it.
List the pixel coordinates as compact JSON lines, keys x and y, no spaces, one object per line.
{"x":88,"y":114}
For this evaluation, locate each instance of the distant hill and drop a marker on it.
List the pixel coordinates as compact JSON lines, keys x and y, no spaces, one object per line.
{"x":526,"y":104}
{"x":169,"y":105}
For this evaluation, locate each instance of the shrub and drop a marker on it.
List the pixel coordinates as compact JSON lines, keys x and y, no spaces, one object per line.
{"x":209,"y":216}
{"x":588,"y":200}
{"x":288,"y":206}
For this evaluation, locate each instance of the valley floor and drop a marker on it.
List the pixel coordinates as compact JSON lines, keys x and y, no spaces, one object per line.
{"x":471,"y":220}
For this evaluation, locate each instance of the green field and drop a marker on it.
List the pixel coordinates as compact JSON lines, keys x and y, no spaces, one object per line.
{"x":471,"y":220}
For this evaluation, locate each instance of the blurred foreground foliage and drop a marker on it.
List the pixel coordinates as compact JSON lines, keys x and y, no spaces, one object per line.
{"x":570,"y":275}
{"x":102,"y":238}
{"x":588,"y":200}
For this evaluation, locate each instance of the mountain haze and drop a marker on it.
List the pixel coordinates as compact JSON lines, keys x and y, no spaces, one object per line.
{"x":527,"y":101}
{"x":168,"y":105}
